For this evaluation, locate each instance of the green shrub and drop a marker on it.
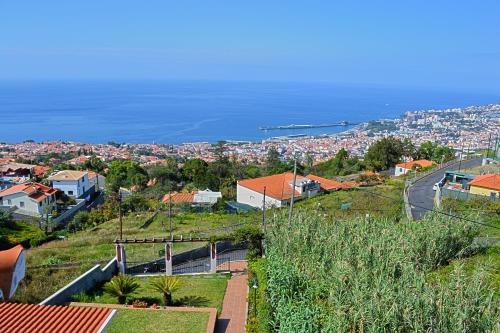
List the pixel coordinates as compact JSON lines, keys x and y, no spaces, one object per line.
{"x":366,"y":275}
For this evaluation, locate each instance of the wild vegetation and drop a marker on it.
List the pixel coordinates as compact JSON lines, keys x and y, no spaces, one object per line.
{"x":371,"y":275}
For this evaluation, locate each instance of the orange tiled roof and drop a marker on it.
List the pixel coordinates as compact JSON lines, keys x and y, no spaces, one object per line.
{"x":277,"y":186}
{"x":36,"y":191}
{"x":489,"y":181}
{"x":18,"y":317}
{"x":420,"y":163}
{"x":325,"y":184}
{"x":8,"y":261}
{"x":40,"y":170}
{"x":178,"y":198}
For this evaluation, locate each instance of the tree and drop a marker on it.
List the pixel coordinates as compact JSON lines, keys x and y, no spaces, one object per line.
{"x":121,"y":286}
{"x":195,"y":171}
{"x":135,"y":203}
{"x":5,"y":218}
{"x":384,"y":153}
{"x":434,"y":152}
{"x":166,"y":285}
{"x":95,"y":164}
{"x":125,"y":174}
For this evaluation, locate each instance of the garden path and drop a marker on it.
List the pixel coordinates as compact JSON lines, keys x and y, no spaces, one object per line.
{"x":234,"y":308}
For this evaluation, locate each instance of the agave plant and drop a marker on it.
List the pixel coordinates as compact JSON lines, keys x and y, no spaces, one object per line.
{"x":166,"y":285}
{"x":121,"y":286}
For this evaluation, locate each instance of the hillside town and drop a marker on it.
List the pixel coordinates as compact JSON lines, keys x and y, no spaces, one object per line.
{"x":465,"y":129}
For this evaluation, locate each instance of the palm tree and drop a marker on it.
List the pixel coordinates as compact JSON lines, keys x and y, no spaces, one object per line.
{"x":166,"y":285}
{"x":121,"y":286}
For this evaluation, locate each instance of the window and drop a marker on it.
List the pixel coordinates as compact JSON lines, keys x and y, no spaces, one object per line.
{"x":70,"y":192}
{"x":21,"y":203}
{"x":9,"y":202}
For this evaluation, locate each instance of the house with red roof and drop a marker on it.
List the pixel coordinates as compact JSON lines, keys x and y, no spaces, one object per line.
{"x":278,"y":190}
{"x":404,"y":168}
{"x":28,"y":198}
{"x":487,"y":185}
{"x":12,"y":271}
{"x":197,"y":198}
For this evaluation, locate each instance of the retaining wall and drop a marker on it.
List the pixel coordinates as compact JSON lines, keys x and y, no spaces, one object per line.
{"x":83,"y":283}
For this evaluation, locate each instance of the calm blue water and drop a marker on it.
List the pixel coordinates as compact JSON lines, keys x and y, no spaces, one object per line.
{"x":184,"y":111}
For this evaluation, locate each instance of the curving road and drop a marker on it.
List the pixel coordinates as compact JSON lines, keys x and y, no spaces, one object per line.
{"x":421,"y":193}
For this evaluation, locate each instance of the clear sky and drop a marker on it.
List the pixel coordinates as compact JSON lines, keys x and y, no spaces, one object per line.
{"x":451,"y":44}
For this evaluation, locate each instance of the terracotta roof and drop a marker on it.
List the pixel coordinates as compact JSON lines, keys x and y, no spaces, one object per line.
{"x":178,"y":198}
{"x":18,"y":317}
{"x":326,"y":184}
{"x":277,"y":186}
{"x":489,"y":181}
{"x":8,"y":261}
{"x":35,"y":191}
{"x":68,"y":175}
{"x":420,"y":163}
{"x":40,"y":170}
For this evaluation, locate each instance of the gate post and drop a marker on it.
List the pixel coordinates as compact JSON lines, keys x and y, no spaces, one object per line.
{"x":168,"y":258}
{"x":213,"y":257}
{"x":120,"y":258}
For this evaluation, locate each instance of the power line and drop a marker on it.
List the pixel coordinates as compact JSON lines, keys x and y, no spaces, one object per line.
{"x":437,"y":211}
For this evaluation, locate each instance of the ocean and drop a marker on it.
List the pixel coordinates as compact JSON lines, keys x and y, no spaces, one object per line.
{"x":193,"y":111}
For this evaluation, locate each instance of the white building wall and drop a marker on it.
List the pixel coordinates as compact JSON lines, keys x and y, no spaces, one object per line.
{"x":250,"y":197}
{"x":398,"y":171}
{"x":77,"y":187}
{"x":23,"y":202}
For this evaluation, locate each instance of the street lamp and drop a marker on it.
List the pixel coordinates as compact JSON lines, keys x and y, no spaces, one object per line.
{"x":254,"y":286}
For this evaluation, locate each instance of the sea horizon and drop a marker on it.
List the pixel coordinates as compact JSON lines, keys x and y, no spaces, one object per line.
{"x":180,"y":111}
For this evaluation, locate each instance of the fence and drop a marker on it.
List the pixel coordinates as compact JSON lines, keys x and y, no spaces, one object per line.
{"x":464,"y":195}
{"x":193,"y":261}
{"x":83,"y":283}
{"x":70,"y":212}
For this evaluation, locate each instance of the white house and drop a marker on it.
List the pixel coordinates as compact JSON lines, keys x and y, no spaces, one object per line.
{"x":12,"y":270}
{"x":29,"y":198}
{"x":278,"y":190}
{"x":72,"y":183}
{"x":404,"y":168}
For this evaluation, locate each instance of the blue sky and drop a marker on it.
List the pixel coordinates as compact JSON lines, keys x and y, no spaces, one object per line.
{"x":442,"y":44}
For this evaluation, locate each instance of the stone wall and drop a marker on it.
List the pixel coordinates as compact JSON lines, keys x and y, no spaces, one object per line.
{"x":83,"y":283}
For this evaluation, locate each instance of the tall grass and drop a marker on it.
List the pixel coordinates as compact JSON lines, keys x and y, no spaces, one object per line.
{"x":363,"y":275}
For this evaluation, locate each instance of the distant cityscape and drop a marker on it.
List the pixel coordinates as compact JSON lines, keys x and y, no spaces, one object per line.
{"x":468,"y":128}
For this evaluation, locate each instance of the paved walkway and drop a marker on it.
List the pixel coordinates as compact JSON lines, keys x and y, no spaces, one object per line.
{"x":234,"y":309}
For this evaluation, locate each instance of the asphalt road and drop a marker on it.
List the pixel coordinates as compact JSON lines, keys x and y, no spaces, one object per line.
{"x":421,"y":193}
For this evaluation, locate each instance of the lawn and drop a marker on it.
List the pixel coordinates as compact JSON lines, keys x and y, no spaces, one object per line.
{"x":158,"y":321}
{"x":195,"y":290}
{"x":381,"y":200}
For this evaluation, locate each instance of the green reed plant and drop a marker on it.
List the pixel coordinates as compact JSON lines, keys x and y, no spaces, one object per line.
{"x":369,"y":275}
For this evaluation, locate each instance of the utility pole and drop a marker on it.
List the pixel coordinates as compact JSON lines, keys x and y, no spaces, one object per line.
{"x":263,"y":222}
{"x":264,"y":211}
{"x":488,"y":150}
{"x":120,"y":213}
{"x":293,"y":190}
{"x":461,"y":156}
{"x":170,"y":212}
